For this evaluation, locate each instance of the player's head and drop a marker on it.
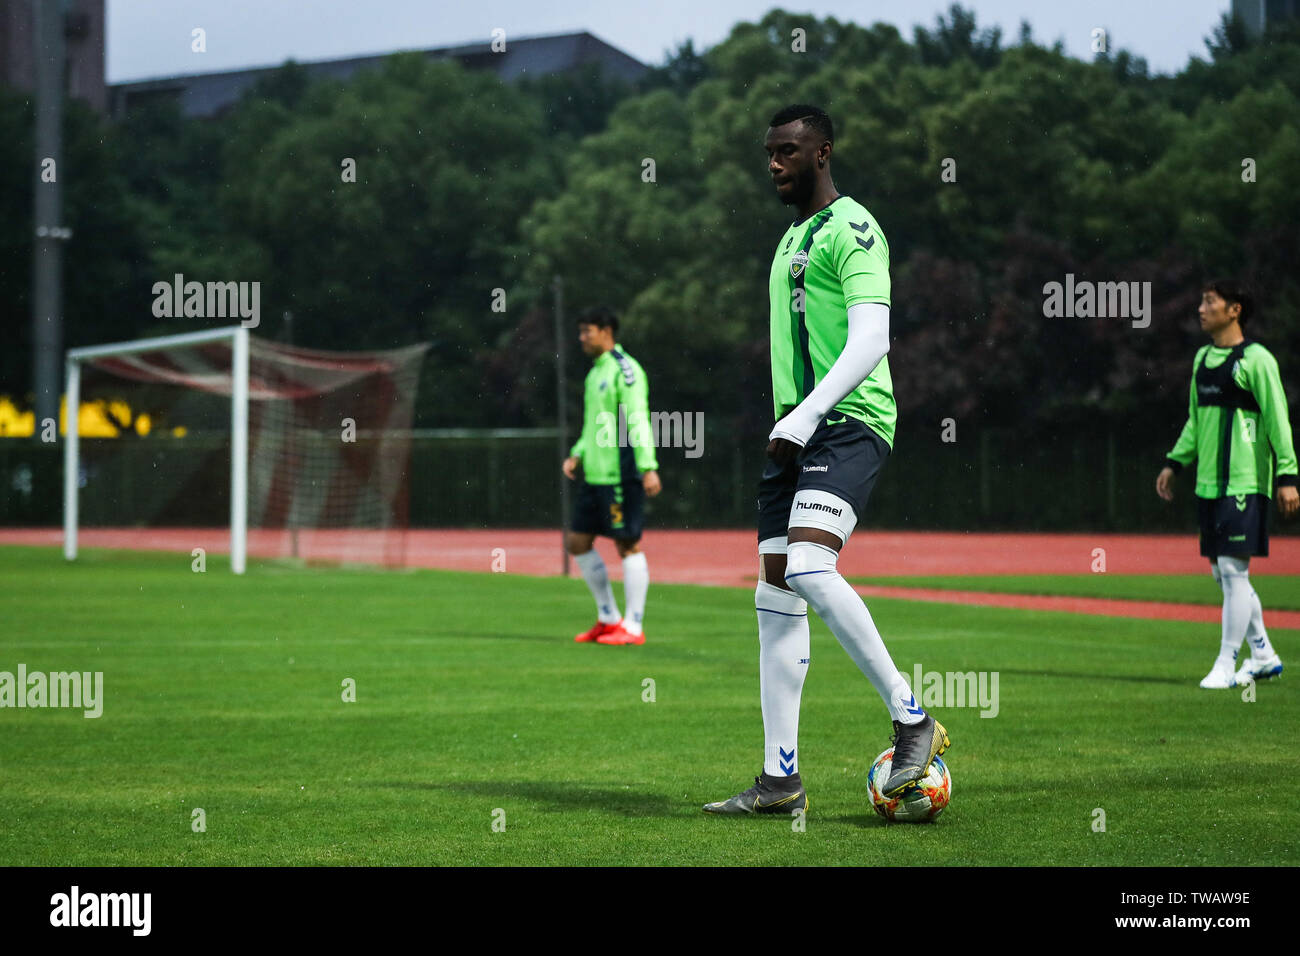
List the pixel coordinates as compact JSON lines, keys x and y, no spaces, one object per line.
{"x":1223,"y":302}
{"x":798,"y":143}
{"x":597,"y":329}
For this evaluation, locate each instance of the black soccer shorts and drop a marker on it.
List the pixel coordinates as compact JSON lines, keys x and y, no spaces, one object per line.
{"x":1235,"y":526}
{"x":843,"y":459}
{"x":616,"y":511}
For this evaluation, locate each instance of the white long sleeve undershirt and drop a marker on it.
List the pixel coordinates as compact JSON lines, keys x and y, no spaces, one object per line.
{"x":867,"y":345}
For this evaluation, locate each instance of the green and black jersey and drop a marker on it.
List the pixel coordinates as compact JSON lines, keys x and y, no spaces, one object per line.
{"x":1237,"y":430}
{"x":834,"y":259}
{"x":615,"y":447}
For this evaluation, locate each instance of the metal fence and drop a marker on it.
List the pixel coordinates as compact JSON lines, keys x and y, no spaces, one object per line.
{"x":993,"y":479}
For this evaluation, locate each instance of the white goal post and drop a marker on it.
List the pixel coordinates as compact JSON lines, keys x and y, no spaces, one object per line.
{"x":238,"y":337}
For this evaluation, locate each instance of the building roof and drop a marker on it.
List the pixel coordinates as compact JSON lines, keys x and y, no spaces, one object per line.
{"x":206,"y":94}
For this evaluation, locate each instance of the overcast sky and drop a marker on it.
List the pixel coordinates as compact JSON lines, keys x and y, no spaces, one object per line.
{"x":152,"y":37}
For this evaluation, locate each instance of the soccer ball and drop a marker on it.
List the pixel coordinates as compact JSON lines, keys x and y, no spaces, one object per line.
{"x":920,"y":802}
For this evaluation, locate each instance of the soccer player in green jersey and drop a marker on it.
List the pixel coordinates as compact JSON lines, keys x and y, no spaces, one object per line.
{"x":835,"y":413}
{"x":1239,"y":434}
{"x":616,"y":453}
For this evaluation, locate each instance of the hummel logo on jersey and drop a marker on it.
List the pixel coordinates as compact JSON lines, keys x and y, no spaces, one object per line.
{"x":797,"y":263}
{"x":1241,"y":502}
{"x":814,"y":506}
{"x":863,"y":227}
{"x":808,"y":468}
{"x":629,"y":376}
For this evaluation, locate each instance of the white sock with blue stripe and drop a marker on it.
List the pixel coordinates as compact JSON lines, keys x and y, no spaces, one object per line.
{"x":1261,"y":648}
{"x":1237,"y":588}
{"x":811,"y":570}
{"x":783,"y":655}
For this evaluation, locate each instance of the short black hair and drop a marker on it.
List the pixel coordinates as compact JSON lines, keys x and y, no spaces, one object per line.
{"x":811,"y":115}
{"x":601,"y":316}
{"x":1230,"y":291}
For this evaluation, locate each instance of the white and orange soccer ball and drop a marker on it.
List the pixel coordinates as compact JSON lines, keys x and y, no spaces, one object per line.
{"x":920,"y":802}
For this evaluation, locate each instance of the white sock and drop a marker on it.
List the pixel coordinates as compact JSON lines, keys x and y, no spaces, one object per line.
{"x":1261,"y":648}
{"x":636,"y":582}
{"x":597,"y":578}
{"x":810,"y":570}
{"x":1237,"y":609}
{"x":783,"y":654}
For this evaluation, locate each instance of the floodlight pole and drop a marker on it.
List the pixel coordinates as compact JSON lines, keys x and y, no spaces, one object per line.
{"x":47,"y":248}
{"x":557,"y":286}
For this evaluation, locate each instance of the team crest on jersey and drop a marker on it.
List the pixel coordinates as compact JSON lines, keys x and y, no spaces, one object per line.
{"x":797,"y":263}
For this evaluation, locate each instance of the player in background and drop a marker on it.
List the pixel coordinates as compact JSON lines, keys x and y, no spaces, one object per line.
{"x":1239,"y":433}
{"x":617,"y":456}
{"x":834,"y":405}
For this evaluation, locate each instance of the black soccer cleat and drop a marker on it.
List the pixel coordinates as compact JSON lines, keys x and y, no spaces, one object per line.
{"x":915,"y":745}
{"x":769,"y":794}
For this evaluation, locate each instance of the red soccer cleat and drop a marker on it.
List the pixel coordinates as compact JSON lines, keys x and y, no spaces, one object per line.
{"x":597,"y":631}
{"x":620,"y":635}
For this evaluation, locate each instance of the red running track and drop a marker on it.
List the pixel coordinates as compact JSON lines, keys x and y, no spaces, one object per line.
{"x":729,"y":558}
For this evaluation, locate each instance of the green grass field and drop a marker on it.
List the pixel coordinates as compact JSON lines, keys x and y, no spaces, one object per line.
{"x":225,"y":694}
{"x":1280,"y":591}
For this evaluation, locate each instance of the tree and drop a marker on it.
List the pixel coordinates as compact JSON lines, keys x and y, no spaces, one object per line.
{"x":682,"y":70}
{"x":1229,"y":37}
{"x":958,"y":37}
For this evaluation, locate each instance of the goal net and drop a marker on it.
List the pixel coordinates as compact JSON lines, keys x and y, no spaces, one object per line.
{"x":300,"y":452}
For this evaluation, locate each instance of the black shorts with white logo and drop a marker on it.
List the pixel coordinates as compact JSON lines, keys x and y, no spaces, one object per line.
{"x":616,"y":511}
{"x":1235,"y":526}
{"x":843,"y":459}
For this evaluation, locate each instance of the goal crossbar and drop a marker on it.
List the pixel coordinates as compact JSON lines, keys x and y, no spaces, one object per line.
{"x":239,"y":351}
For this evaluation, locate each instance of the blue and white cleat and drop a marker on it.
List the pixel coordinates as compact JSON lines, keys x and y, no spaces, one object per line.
{"x":1261,"y":669}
